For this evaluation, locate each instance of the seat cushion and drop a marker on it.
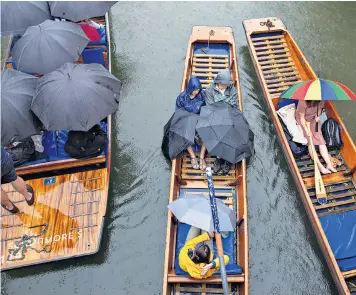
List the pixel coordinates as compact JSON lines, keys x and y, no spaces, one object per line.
{"x":340,"y":229}
{"x":347,"y":264}
{"x":93,"y":55}
{"x":228,"y":246}
{"x":285,"y":102}
{"x":49,"y":143}
{"x":62,"y":139}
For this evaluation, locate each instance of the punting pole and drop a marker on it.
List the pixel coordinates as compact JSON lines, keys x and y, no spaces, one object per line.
{"x":214,"y":212}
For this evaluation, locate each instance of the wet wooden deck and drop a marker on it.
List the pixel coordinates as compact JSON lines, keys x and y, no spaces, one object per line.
{"x":65,"y":221}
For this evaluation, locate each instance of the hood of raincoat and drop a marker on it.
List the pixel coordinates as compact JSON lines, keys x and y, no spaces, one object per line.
{"x":223,"y":78}
{"x":185,"y":102}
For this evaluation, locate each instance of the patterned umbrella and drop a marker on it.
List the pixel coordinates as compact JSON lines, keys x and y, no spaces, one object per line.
{"x":318,"y":90}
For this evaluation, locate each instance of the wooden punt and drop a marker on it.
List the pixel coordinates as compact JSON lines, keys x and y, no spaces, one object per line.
{"x":280,"y":63}
{"x":231,"y":188}
{"x":71,"y":197}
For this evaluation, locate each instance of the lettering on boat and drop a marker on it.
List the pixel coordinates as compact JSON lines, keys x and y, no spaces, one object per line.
{"x":20,"y":247}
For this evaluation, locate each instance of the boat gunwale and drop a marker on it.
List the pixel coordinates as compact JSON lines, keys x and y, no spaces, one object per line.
{"x":241,"y":187}
{"x":300,"y":182}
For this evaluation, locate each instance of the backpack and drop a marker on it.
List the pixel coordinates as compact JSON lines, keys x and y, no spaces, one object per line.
{"x":85,"y":144}
{"x":22,"y":151}
{"x":331,"y":132}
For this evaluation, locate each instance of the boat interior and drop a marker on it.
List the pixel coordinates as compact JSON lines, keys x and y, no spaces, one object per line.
{"x":282,"y":64}
{"x":66,"y":219}
{"x":205,"y":61}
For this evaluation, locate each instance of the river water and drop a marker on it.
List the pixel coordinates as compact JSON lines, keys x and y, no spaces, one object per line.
{"x":150,"y":45}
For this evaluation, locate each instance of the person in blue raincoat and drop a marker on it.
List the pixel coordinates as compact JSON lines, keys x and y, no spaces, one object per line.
{"x":192,"y":99}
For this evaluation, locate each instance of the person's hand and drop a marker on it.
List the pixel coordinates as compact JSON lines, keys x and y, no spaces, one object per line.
{"x":205,"y":269}
{"x":211,"y":234}
{"x":317,"y":119}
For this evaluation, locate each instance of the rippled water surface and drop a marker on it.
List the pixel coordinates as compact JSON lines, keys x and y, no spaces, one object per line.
{"x":150,"y":45}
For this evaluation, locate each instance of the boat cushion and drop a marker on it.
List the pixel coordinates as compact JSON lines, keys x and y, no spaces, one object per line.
{"x":285,"y":102}
{"x":347,"y":264}
{"x":93,"y":55}
{"x":62,"y":139}
{"x":49,"y":143}
{"x":340,"y":229}
{"x":228,"y":246}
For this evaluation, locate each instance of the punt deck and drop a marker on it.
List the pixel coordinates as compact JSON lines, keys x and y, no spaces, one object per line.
{"x":205,"y":64}
{"x":67,"y":217}
{"x":280,"y":63}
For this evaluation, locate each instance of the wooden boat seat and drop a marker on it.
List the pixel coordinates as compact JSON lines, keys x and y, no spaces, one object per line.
{"x":192,"y":174}
{"x":174,"y":279}
{"x":207,"y":66}
{"x":200,"y":289}
{"x":276,"y":62}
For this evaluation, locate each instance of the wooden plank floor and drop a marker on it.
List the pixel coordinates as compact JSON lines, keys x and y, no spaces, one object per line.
{"x":65,"y":221}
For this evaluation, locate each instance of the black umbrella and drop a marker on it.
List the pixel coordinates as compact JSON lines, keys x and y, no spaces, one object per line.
{"x":17,"y":119}
{"x":46,"y":47}
{"x":17,"y":16}
{"x":79,"y":10}
{"x":225,"y":132}
{"x":179,"y":133}
{"x":76,"y":97}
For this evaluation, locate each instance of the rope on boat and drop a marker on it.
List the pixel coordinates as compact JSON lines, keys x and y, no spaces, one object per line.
{"x":268,"y":24}
{"x":24,"y":244}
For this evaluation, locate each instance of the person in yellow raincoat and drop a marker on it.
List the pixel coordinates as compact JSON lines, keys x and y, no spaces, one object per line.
{"x":196,"y":257}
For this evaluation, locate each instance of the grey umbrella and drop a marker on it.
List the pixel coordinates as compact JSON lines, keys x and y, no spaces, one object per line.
{"x":225,"y":132}
{"x":46,"y":47}
{"x":79,"y":10}
{"x":196,"y":211}
{"x":76,"y":97}
{"x":17,"y":119}
{"x":179,"y":133}
{"x":17,"y":16}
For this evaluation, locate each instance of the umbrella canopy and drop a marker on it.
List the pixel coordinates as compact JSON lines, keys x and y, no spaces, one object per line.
{"x":17,"y":119}
{"x":79,"y":10}
{"x":46,"y":47}
{"x":17,"y":16}
{"x":196,"y":211}
{"x":76,"y":97}
{"x":225,"y":132}
{"x":318,"y":90}
{"x":179,"y":133}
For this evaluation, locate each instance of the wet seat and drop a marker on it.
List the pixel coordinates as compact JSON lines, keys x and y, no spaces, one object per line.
{"x":93,"y":55}
{"x":340,"y":231}
{"x":228,"y":246}
{"x":53,"y":143}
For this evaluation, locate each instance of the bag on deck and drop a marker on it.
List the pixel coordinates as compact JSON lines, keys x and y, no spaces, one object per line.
{"x":22,"y":151}
{"x":298,"y":149}
{"x":332,"y":133}
{"x":85,"y":145}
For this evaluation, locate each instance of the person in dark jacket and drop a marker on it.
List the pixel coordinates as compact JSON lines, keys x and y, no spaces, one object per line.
{"x":8,"y":175}
{"x":222,"y":90}
{"x":192,"y":99}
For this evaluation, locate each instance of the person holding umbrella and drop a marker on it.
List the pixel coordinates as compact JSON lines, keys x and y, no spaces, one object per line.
{"x":310,"y":111}
{"x":8,"y":175}
{"x":222,"y":90}
{"x":191,"y":100}
{"x":196,"y":257}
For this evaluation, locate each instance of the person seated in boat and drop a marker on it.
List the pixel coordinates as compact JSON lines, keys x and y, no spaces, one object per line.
{"x":192,"y":99}
{"x":196,"y":257}
{"x":8,"y":175}
{"x":222,"y":90}
{"x":310,"y":111}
